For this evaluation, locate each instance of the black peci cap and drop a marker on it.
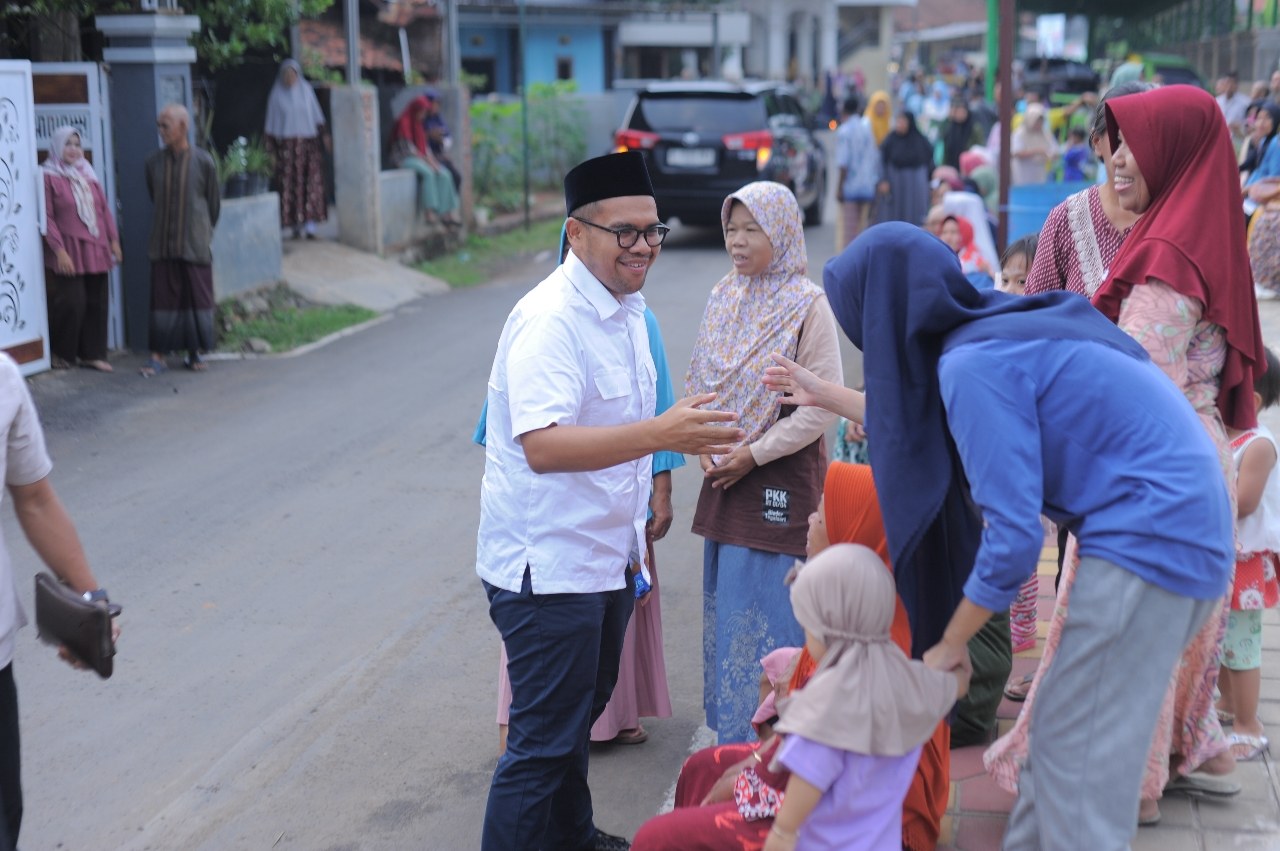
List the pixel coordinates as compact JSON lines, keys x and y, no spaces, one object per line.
{"x":610,"y":176}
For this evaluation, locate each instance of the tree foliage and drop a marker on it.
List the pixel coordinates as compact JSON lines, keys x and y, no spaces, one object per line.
{"x":228,"y":28}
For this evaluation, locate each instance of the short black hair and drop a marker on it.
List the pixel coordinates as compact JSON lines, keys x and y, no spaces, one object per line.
{"x":852,"y":106}
{"x":1100,"y":112}
{"x":1078,"y":133}
{"x":1267,"y":385}
{"x":1025,"y":246}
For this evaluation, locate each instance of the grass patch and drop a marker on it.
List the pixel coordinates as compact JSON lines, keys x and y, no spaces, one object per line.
{"x":286,"y":328}
{"x":482,"y":258}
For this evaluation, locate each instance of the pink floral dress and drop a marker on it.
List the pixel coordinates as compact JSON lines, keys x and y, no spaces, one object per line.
{"x":1191,"y":352}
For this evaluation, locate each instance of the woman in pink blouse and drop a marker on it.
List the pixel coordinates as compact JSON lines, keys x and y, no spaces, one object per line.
{"x":80,"y":247}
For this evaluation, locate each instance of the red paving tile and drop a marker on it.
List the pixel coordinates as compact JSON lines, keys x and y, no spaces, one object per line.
{"x":967,"y":763}
{"x":982,"y":795}
{"x":979,"y":833}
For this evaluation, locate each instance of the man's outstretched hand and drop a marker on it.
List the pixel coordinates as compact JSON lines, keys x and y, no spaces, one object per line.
{"x":687,"y":428}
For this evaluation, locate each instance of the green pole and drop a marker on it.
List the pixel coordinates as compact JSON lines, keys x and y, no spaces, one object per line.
{"x":993,"y":47}
{"x":1269,"y":17}
{"x":524,"y":114}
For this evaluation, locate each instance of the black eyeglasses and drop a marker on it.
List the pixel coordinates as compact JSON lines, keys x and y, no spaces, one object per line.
{"x":628,"y":236}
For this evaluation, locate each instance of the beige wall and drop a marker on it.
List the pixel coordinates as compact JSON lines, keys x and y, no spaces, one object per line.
{"x":874,"y":61}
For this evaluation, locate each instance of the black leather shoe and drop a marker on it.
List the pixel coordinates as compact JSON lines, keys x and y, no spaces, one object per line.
{"x":605,"y":842}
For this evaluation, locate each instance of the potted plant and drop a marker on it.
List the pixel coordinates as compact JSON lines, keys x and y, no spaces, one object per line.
{"x":259,"y":165}
{"x":234,"y":169}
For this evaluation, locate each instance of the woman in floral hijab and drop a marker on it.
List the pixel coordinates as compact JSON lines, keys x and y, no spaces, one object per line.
{"x":755,"y":501}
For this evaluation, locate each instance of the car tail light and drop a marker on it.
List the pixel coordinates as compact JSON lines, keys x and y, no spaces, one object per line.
{"x":634,"y":140}
{"x":760,"y":141}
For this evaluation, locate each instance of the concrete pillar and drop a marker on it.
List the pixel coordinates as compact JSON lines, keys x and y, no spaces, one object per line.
{"x":150,"y":58}
{"x":778,"y":38}
{"x":804,"y":48}
{"x":829,"y":37}
{"x":357,"y":162}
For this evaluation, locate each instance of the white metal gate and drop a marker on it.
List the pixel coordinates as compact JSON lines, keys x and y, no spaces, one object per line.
{"x":24,"y":326}
{"x":78,"y":94}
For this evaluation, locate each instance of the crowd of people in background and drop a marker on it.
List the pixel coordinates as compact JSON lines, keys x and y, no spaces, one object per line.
{"x":981,"y":392}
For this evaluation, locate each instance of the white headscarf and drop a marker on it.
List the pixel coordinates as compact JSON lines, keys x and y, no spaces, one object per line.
{"x":293,"y":111}
{"x":973,"y":209}
{"x":866,"y":696}
{"x":79,"y":174}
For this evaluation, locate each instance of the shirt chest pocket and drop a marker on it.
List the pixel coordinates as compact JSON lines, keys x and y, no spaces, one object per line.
{"x":612,"y":383}
{"x":611,"y":399}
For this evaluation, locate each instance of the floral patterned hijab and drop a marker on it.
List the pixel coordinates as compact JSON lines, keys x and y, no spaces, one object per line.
{"x":747,"y":317}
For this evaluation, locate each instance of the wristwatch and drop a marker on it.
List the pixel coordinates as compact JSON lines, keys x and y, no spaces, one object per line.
{"x":98,"y":595}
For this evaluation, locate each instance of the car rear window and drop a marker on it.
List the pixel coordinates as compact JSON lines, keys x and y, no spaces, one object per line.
{"x":699,"y":113}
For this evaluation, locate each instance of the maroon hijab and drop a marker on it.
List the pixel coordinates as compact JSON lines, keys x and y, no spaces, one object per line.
{"x":409,"y":125}
{"x":1192,"y":237}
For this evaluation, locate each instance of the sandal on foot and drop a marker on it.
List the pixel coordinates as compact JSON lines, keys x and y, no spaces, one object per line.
{"x":195,"y":365}
{"x":59,"y":363}
{"x":153,"y":367}
{"x":635,"y":736}
{"x":1197,"y":783}
{"x":99,"y":365}
{"x":1017,"y":691}
{"x":1245,"y":747}
{"x":1226,"y":718}
{"x":1149,"y":821}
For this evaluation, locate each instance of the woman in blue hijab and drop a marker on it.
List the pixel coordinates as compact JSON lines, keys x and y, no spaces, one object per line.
{"x":985,"y":410}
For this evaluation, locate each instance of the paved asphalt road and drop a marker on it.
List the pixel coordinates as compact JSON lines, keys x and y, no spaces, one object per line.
{"x":307,"y":660}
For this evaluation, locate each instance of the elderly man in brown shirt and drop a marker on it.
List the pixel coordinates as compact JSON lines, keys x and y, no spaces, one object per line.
{"x":183,"y":183}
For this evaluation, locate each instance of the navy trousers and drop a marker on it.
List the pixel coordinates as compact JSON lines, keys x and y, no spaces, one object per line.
{"x":563,"y":652}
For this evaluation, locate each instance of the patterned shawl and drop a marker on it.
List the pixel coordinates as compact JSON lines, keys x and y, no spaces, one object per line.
{"x":747,"y":317}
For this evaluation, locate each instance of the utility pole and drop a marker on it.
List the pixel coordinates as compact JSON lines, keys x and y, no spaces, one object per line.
{"x":351,"y":15}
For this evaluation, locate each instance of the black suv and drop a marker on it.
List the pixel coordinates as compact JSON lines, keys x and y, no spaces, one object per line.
{"x":703,"y":141}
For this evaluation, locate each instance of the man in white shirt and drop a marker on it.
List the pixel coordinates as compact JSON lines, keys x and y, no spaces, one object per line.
{"x":1233,"y":104}
{"x":52,"y":535}
{"x":564,"y":501}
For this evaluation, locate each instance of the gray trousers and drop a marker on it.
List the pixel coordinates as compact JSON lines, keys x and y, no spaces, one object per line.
{"x":1094,"y":717}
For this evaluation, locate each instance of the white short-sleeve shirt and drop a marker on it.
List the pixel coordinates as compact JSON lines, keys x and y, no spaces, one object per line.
{"x":570,"y":354}
{"x":25,"y":462}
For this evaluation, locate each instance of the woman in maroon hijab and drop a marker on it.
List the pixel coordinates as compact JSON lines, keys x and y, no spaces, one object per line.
{"x":1181,"y":286}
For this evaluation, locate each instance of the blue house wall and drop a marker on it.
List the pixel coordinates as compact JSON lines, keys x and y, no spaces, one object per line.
{"x":546,"y":43}
{"x":491,"y":42}
{"x":583,"y":45}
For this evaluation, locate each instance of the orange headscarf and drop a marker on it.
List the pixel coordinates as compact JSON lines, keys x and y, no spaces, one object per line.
{"x":852,"y":511}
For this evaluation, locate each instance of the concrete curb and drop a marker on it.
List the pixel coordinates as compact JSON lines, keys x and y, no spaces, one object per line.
{"x":306,"y":347}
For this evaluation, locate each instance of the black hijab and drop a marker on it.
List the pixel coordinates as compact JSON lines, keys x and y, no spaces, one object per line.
{"x":957,"y":137}
{"x":907,"y":150}
{"x":900,"y":296}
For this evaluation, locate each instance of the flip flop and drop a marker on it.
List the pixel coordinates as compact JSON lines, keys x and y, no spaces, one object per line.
{"x":1198,"y":783}
{"x":152,"y":367}
{"x":1253,"y":746}
{"x":1149,"y":821}
{"x":1018,"y":691}
{"x":637,"y":736}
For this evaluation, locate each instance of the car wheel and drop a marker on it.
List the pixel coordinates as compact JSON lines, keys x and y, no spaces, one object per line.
{"x":813,"y":213}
